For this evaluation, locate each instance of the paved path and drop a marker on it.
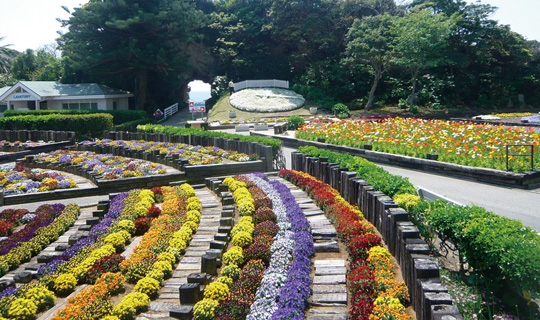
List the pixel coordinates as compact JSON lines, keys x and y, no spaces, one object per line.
{"x":169,"y":298}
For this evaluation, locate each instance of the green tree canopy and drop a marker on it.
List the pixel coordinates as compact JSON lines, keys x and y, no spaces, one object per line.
{"x":370,"y":41}
{"x":421,"y":38}
{"x":129,"y":41}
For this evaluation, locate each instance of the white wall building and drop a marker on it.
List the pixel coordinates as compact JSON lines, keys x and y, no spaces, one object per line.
{"x":51,"y":95}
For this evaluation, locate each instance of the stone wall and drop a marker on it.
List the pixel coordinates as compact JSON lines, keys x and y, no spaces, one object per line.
{"x":429,"y":297}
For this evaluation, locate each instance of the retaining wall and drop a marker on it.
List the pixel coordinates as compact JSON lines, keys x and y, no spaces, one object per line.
{"x":429,"y":297}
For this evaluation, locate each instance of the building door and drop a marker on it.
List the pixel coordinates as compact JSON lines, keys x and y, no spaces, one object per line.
{"x":31,"y":105}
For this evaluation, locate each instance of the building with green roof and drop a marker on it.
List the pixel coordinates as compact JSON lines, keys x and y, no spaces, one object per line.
{"x":51,"y":95}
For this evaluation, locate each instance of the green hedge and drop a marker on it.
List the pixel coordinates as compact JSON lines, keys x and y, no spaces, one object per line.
{"x":500,"y":249}
{"x":376,"y":176}
{"x":274,"y":143}
{"x":131,"y":125}
{"x":119,"y":116}
{"x":85,"y":124}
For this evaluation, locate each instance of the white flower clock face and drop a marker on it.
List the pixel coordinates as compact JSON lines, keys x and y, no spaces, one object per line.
{"x":266,"y":100}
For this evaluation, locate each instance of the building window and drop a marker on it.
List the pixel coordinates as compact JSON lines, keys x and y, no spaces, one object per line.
{"x":80,"y":105}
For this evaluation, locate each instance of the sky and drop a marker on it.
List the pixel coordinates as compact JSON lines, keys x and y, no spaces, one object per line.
{"x":32,"y":23}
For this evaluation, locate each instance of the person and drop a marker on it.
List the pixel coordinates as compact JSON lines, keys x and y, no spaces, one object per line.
{"x":231,"y":87}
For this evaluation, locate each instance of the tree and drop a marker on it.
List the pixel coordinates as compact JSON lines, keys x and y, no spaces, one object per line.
{"x":40,"y":65}
{"x":421,"y":37}
{"x":370,"y":42}
{"x":6,"y":55}
{"x":133,"y":44}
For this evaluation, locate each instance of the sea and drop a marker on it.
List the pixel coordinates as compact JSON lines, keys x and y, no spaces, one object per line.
{"x":199,"y":96}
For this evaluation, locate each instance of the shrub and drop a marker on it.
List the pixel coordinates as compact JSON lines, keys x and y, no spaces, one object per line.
{"x":148,"y":286}
{"x":242,"y":239}
{"x":263,"y":214}
{"x":89,"y":124}
{"x":204,"y":309}
{"x":341,"y":111}
{"x":216,"y":291}
{"x":65,"y":283}
{"x":119,"y":116}
{"x":293,"y":122}
{"x":268,"y":228}
{"x":142,"y":225}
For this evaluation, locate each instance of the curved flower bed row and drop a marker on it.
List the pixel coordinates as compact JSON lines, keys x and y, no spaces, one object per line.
{"x":266,"y":100}
{"x":194,"y":154}
{"x":64,"y":272}
{"x":10,"y":218}
{"x":478,"y":145}
{"x":375,"y":294}
{"x":49,"y":222}
{"x":285,"y":288}
{"x":152,"y":260}
{"x":274,"y":282}
{"x":17,"y":179}
{"x":233,"y":292}
{"x":109,"y":166}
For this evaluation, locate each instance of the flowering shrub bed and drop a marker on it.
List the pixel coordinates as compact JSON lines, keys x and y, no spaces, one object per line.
{"x":109,"y":166}
{"x":49,"y":223}
{"x":17,"y":179}
{"x":266,"y":100}
{"x":194,"y":154}
{"x":375,"y":294}
{"x":478,"y":145}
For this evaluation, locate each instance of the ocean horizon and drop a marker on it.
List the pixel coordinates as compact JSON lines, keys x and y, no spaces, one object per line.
{"x":199,"y":96}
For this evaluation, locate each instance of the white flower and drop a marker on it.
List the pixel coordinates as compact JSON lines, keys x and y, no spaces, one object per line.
{"x":266,"y":100}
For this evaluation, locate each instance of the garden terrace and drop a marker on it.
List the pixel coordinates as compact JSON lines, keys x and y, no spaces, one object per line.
{"x":461,"y":143}
{"x":18,"y":144}
{"x":529,"y":179}
{"x":468,"y":230}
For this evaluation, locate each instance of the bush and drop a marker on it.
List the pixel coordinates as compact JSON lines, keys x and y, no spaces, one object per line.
{"x":341,"y":111}
{"x":119,"y":116}
{"x":131,"y":125}
{"x":293,"y":122}
{"x":88,"y":124}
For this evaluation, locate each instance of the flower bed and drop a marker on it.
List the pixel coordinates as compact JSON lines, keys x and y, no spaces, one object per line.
{"x":375,"y":294}
{"x":109,"y":166}
{"x":531,"y":119}
{"x":17,"y":179}
{"x":49,"y":222}
{"x":152,"y":260}
{"x":10,"y":218}
{"x":266,"y":100}
{"x":273,"y":244}
{"x":196,"y":155}
{"x":494,"y":247}
{"x":478,"y":145}
{"x":65,"y":271}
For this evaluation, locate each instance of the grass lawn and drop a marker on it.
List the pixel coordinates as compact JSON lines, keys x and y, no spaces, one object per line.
{"x":220,"y":112}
